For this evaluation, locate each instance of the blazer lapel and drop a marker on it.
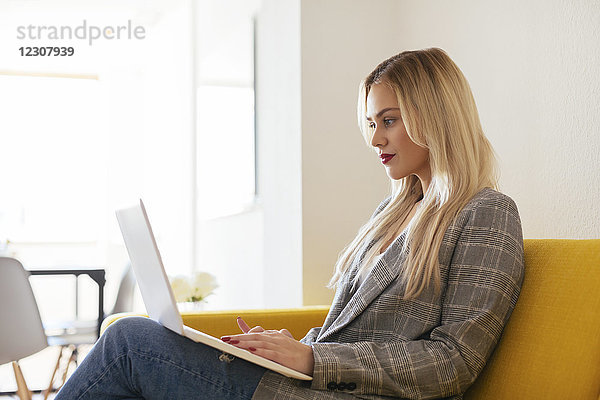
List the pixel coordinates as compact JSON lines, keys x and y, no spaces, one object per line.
{"x":382,"y":274}
{"x":341,"y":298}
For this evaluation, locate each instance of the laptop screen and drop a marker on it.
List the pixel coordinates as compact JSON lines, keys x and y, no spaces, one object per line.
{"x":148,"y":267}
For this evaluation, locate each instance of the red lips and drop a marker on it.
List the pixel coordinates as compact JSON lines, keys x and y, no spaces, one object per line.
{"x":385,"y":158}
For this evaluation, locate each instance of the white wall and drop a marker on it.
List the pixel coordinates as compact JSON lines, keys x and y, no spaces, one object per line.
{"x":534,"y":68}
{"x":317,"y":179}
{"x":279,"y":121}
{"x":231,"y":249}
{"x":343,"y":181}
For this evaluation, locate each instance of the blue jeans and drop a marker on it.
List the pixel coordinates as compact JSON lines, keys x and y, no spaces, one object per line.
{"x":138,"y":358}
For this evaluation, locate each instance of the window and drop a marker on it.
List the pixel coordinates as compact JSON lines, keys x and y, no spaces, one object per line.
{"x":152,"y":121}
{"x":52,"y":162}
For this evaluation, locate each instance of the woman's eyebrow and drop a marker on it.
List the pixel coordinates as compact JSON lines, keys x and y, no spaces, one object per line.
{"x":380,"y":113}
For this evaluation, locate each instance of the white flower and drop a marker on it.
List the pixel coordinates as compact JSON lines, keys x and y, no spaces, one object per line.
{"x":182,"y":290}
{"x":195,"y":288}
{"x":203,"y":285}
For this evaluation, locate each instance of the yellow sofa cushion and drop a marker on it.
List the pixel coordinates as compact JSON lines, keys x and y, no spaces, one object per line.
{"x":550,"y":348}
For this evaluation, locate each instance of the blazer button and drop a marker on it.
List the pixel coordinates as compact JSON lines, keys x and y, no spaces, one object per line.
{"x":332,"y":386}
{"x":351,"y":386}
{"x":342,"y":386}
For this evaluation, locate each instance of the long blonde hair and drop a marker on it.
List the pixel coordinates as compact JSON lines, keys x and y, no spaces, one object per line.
{"x":439,"y":113}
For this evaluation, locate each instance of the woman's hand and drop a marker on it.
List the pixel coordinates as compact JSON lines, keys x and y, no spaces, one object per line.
{"x":279,"y":346}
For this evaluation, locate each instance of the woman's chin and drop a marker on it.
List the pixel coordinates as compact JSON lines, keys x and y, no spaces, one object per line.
{"x":394,"y":175}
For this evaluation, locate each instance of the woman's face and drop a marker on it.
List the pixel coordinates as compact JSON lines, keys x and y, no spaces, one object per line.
{"x":398,"y":153}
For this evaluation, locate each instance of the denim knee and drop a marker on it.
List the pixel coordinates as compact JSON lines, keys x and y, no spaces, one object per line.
{"x":133,"y":323}
{"x":132,"y":327}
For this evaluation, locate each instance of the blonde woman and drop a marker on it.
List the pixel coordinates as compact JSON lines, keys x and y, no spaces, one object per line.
{"x":422,"y":293}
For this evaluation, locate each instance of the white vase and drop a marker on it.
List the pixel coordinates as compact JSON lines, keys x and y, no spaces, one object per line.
{"x":190,"y":306}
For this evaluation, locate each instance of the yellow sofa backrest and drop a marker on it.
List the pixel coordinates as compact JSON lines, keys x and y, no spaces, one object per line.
{"x":550,"y":348}
{"x":218,"y":323}
{"x":296,"y":320}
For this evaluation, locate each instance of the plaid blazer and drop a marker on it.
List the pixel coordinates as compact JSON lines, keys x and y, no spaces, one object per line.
{"x":376,"y":345}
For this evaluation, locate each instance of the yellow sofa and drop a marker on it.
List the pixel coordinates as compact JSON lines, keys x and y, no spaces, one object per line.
{"x":219,"y":323}
{"x":550,"y":348}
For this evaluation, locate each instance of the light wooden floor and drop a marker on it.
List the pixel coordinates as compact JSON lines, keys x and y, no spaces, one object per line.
{"x":37,"y":370}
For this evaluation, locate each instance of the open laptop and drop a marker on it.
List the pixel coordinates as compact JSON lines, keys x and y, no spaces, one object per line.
{"x":156,"y":290}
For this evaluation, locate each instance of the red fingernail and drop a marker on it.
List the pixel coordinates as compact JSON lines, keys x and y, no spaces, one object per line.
{"x":234,"y":341}
{"x":251,"y":349}
{"x":226,"y":339}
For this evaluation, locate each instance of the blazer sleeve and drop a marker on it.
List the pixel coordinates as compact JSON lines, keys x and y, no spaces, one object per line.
{"x":483,"y":286}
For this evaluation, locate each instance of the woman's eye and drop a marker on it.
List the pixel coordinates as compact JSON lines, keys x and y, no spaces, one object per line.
{"x":371,"y":125}
{"x":388,"y":122}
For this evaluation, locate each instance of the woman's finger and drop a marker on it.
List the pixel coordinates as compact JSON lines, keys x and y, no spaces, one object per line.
{"x":243,"y":325}
{"x":286,"y":332}
{"x":246,"y":328}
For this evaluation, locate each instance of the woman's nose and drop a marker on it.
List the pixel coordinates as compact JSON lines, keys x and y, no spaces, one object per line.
{"x":378,"y":139}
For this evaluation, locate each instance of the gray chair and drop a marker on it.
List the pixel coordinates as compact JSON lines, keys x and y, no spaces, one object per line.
{"x":21,"y":330}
